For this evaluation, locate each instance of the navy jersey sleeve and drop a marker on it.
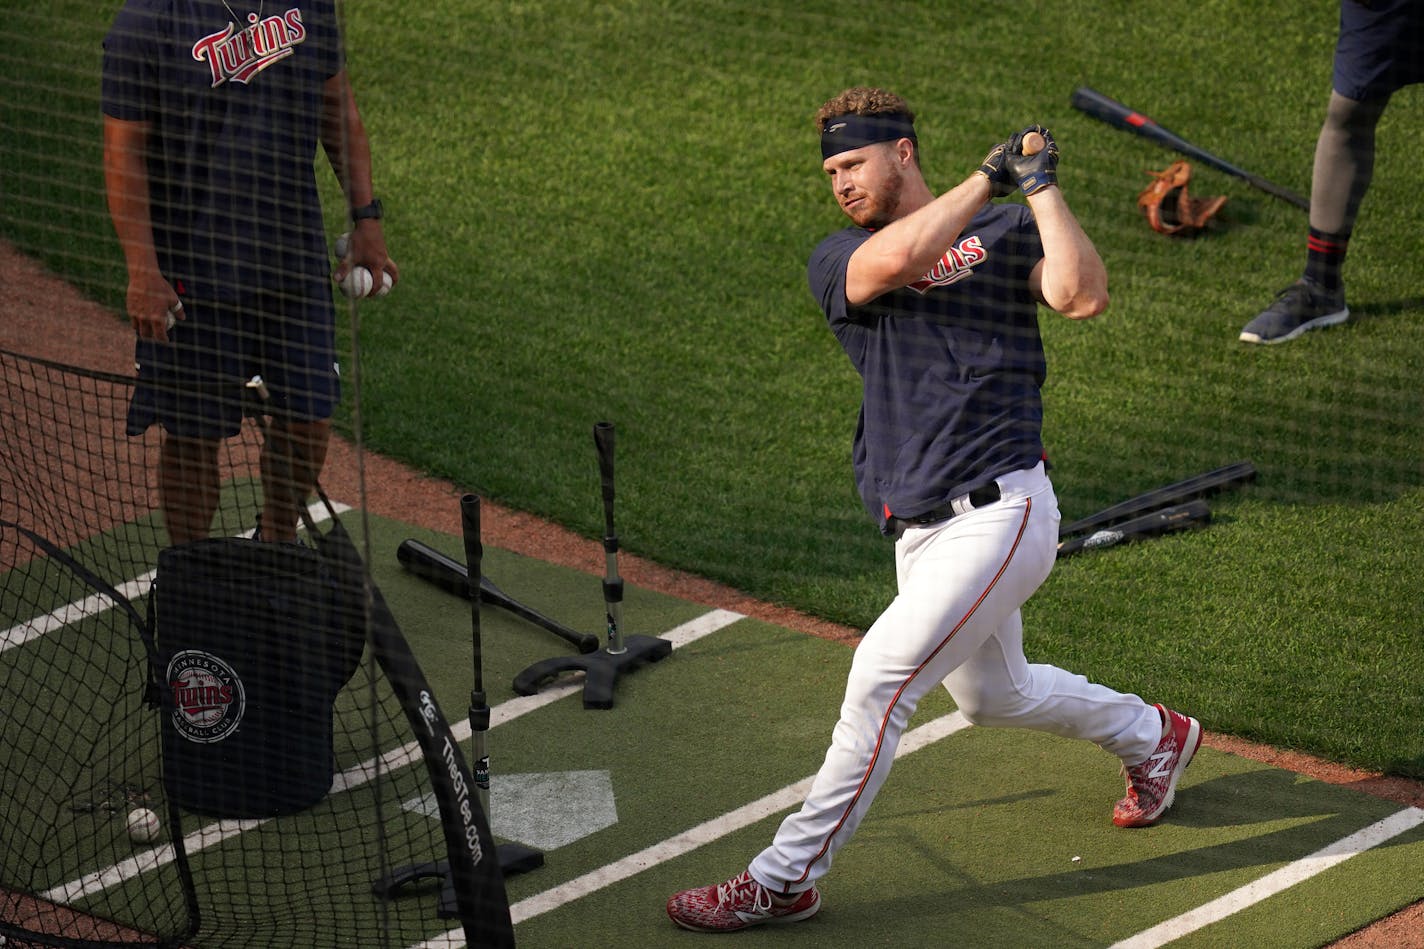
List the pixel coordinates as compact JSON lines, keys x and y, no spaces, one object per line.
{"x":826,"y":271}
{"x":826,"y":274}
{"x":330,"y":42}
{"x":131,"y":62}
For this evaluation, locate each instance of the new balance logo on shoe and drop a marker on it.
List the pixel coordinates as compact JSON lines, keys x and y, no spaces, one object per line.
{"x":1161,"y":764}
{"x":1152,"y":785}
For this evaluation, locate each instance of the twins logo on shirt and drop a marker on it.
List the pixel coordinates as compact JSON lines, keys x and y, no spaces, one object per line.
{"x":237,"y":55}
{"x":957,"y":263}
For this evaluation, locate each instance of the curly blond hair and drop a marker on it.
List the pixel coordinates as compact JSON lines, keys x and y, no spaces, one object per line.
{"x":862,"y":100}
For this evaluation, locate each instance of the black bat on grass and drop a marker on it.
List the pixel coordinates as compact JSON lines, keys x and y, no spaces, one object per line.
{"x":1203,"y":485}
{"x":1189,"y":516}
{"x":1114,"y":113}
{"x":451,"y":576}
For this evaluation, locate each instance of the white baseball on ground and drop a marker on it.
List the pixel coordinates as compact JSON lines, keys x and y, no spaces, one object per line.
{"x":143,"y":825}
{"x":357,"y":283}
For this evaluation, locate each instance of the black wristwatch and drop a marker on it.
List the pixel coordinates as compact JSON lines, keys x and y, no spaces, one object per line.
{"x":372,"y":211}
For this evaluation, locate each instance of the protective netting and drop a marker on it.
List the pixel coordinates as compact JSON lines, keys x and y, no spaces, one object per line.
{"x":259,"y":704}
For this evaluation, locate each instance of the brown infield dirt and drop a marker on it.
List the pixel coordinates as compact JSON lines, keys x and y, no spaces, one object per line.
{"x":41,"y":315}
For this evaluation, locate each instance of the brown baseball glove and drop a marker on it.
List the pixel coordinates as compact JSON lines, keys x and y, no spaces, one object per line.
{"x":1169,"y":209}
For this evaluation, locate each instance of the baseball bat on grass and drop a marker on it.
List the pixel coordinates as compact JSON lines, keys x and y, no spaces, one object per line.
{"x":1193,"y":514}
{"x":451,"y":576}
{"x":1114,"y":113}
{"x":1203,"y":485}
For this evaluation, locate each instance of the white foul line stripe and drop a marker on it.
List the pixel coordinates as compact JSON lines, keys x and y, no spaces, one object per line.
{"x":1275,"y":882}
{"x":689,"y":840}
{"x":356,"y":775}
{"x":714,"y":829}
{"x":1214,"y":911}
{"x":97,"y":603}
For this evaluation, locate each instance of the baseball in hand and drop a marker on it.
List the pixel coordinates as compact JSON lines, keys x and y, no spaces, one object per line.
{"x":386,"y":283}
{"x":343,"y":245}
{"x":143,"y":826}
{"x":1032,"y":144}
{"x":357,"y":282}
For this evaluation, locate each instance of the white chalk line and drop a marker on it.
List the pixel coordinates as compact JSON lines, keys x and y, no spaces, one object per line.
{"x":212,"y":834}
{"x":1214,"y":911}
{"x":97,"y":603}
{"x":1276,"y":882}
{"x":689,"y":840}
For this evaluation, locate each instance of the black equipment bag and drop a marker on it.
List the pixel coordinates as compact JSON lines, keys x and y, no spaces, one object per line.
{"x":254,"y":642}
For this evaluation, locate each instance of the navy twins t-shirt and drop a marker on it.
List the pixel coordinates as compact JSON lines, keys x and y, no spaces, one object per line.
{"x":235,"y":110}
{"x":952,"y":365}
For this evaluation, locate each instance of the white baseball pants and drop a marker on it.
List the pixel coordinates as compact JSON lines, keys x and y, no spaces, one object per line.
{"x":955,"y":620}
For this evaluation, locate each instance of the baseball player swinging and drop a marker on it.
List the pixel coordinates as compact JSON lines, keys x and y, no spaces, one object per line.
{"x":934,"y":299}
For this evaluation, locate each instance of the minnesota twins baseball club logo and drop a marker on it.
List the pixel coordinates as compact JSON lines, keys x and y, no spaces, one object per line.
{"x":208,"y":699}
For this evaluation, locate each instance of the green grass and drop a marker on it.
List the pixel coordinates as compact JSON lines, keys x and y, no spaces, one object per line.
{"x":604,"y":211}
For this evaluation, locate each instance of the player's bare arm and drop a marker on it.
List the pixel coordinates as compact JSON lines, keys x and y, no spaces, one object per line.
{"x":347,"y":148}
{"x":150,"y":298}
{"x":1071,"y":278}
{"x":881,"y":186}
{"x":902,"y":251}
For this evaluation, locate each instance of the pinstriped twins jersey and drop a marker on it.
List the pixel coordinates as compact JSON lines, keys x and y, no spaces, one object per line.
{"x":951,"y":365}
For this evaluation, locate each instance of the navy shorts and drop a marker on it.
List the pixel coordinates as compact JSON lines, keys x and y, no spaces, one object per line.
{"x":195,"y":386}
{"x":1380,"y":49}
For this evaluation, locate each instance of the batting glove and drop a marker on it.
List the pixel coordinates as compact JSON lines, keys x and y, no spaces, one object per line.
{"x":1001,"y":183}
{"x":1032,"y":172}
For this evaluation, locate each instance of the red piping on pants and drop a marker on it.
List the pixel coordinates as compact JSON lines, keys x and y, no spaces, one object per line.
{"x":885,"y":722}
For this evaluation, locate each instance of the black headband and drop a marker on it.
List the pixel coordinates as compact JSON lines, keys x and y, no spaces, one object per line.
{"x":845,"y":132}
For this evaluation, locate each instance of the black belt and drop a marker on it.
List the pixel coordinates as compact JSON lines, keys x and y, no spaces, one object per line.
{"x":979,"y":497}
